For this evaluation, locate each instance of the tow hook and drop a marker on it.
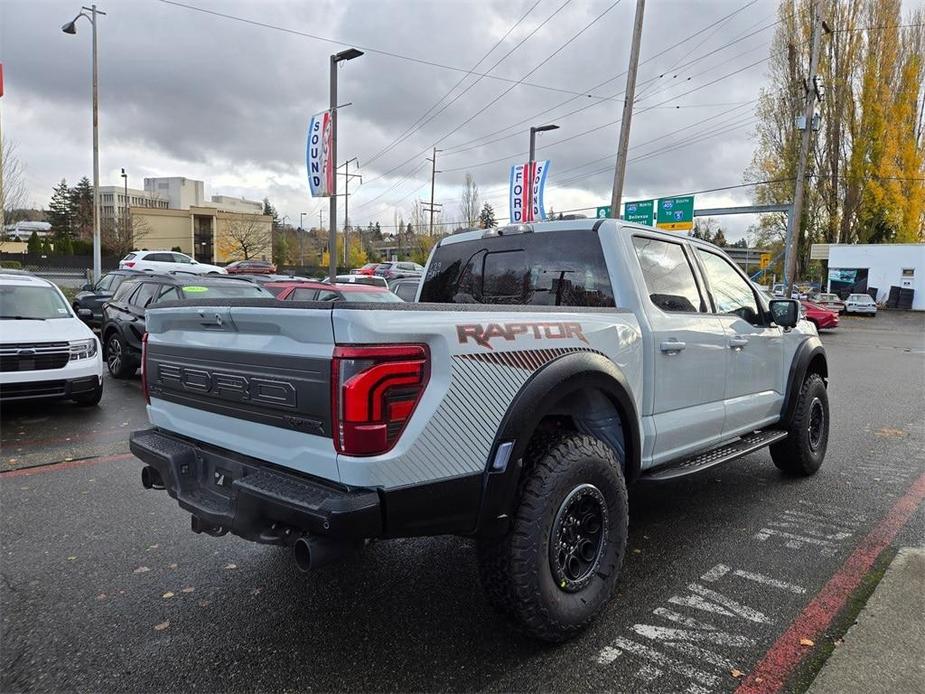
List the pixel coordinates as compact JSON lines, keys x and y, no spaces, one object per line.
{"x":197,"y":525}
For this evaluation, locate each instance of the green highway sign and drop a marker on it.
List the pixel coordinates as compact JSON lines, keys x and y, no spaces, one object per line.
{"x":676,"y":214}
{"x":640,"y":211}
{"x":602,"y":212}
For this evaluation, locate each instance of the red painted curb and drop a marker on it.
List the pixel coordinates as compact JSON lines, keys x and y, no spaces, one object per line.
{"x":66,"y":465}
{"x":772,"y":672}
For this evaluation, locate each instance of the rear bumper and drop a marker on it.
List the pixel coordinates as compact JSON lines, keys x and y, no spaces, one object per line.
{"x":231,"y":493}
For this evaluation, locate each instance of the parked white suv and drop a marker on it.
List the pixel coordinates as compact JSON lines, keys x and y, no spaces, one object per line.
{"x":167,"y":261}
{"x":45,"y":350}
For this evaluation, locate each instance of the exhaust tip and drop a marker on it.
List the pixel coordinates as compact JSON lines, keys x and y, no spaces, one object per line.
{"x":302,"y":552}
{"x":151,"y":478}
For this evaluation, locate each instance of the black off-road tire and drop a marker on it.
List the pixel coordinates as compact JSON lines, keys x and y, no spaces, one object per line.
{"x":566,"y":474}
{"x":803,"y":451}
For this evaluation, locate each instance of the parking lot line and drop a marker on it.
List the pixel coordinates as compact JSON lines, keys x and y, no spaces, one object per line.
{"x":64,"y":465}
{"x":771,"y":673}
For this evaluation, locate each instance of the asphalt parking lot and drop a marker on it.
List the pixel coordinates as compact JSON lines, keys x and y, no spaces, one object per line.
{"x":736,"y":578}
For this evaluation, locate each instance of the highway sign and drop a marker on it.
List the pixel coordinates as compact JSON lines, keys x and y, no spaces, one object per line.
{"x":676,"y":214}
{"x":639,"y":211}
{"x":765,"y":261}
{"x":602,"y":212}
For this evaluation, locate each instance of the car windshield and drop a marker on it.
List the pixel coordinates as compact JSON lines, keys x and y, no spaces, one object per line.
{"x":31,"y":303}
{"x":244,"y":290}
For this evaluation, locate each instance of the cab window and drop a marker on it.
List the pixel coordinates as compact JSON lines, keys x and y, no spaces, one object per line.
{"x":146,"y":292}
{"x":732,"y":294}
{"x":668,"y":275}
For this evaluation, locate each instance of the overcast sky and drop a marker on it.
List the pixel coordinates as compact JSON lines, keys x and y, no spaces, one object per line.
{"x":185,"y":93}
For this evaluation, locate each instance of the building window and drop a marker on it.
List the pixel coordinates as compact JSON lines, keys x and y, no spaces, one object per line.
{"x":908,"y":272}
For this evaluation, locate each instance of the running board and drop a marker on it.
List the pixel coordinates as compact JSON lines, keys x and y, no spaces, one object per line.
{"x":716,"y":456}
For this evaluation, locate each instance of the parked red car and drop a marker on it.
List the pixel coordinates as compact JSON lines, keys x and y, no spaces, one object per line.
{"x":251,"y":267}
{"x":321,"y":291}
{"x":821,"y":317}
{"x":368,"y":269}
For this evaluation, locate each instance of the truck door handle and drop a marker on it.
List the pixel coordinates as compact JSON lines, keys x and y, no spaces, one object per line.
{"x":737,"y":343}
{"x":672,"y":346}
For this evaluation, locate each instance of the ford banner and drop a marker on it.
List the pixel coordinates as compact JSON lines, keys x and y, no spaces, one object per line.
{"x":317,"y":155}
{"x":527,"y":184}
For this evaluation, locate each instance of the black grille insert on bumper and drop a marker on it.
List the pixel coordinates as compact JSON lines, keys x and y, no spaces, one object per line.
{"x":251,"y":498}
{"x":37,"y":356}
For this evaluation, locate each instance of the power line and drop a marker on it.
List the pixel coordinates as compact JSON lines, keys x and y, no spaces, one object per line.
{"x":412,"y":128}
{"x":503,"y":94}
{"x":369,"y":49}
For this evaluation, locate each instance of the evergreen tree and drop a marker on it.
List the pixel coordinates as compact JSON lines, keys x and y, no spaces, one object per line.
{"x":487,"y":217}
{"x":80,"y":204}
{"x":59,"y":209}
{"x":377,"y":232}
{"x":64,"y":245}
{"x":409,"y":230}
{"x":46,"y":246}
{"x":34,"y":244}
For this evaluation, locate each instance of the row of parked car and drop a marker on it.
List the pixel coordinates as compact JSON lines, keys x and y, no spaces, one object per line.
{"x":53,"y":348}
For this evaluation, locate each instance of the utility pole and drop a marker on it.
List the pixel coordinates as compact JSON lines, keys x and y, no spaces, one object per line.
{"x":301,"y":234}
{"x":620,"y":171}
{"x":125,"y":220}
{"x":347,"y":177}
{"x":794,"y":232}
{"x":433,"y":177}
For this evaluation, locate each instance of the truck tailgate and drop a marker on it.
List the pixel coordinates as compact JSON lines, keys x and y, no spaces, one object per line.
{"x":250,"y":379}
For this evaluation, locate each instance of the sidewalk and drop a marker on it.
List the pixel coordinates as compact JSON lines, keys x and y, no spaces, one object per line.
{"x":885,"y":649}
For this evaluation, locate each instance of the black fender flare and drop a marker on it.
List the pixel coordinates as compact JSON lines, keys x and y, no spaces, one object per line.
{"x":809,"y":357}
{"x":571,"y":373}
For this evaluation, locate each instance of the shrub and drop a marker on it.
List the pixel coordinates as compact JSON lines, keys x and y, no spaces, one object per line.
{"x":11,"y":264}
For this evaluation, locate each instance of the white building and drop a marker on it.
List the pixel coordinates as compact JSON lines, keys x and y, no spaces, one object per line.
{"x":181,"y":193}
{"x":859,"y":268}
{"x":114,"y":203}
{"x":22,"y":231}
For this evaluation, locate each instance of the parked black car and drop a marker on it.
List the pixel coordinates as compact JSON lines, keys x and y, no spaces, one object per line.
{"x":405,"y":287}
{"x":93,"y":296}
{"x":402,"y":268}
{"x":124,"y":315}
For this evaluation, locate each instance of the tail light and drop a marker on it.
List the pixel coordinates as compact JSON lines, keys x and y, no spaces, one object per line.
{"x":129,"y":265}
{"x":144,"y":368}
{"x":374,"y":390}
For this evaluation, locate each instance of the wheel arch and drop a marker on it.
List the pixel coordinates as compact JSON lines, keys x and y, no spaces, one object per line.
{"x":809,"y":358}
{"x":583,"y":386}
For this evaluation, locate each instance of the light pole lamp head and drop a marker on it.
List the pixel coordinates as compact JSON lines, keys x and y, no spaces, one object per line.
{"x":545,"y":128}
{"x":71,"y":26}
{"x":348,"y":54}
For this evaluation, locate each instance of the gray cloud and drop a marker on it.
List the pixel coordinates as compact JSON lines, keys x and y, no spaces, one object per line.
{"x":184,"y":93}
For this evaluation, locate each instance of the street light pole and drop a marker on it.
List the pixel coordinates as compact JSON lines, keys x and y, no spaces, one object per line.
{"x":71,"y":28}
{"x":301,"y":233}
{"x":533,"y":132}
{"x":343,"y":56}
{"x":125,"y":226}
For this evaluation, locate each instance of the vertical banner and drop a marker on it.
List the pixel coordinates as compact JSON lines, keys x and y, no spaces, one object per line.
{"x":527,"y":184}
{"x":317,"y":155}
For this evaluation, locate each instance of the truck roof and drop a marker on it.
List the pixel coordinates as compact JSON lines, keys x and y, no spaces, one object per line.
{"x":563,"y":225}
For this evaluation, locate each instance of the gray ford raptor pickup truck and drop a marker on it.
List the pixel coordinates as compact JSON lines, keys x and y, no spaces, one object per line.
{"x":542,"y":369}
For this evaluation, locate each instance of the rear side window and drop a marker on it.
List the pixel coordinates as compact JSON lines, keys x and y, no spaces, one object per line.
{"x":129,"y":256}
{"x":533,"y":269}
{"x":668,"y":275}
{"x":145,"y":294}
{"x":407,"y":290}
{"x":159,"y":257}
{"x":302,"y":294}
{"x":124,"y":290}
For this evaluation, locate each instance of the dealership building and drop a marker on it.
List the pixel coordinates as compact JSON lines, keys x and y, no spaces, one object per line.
{"x":893,"y":273}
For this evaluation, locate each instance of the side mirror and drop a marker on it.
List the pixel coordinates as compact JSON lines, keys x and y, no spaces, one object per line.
{"x":87,"y":287}
{"x":785,"y":312}
{"x":84,"y":313}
